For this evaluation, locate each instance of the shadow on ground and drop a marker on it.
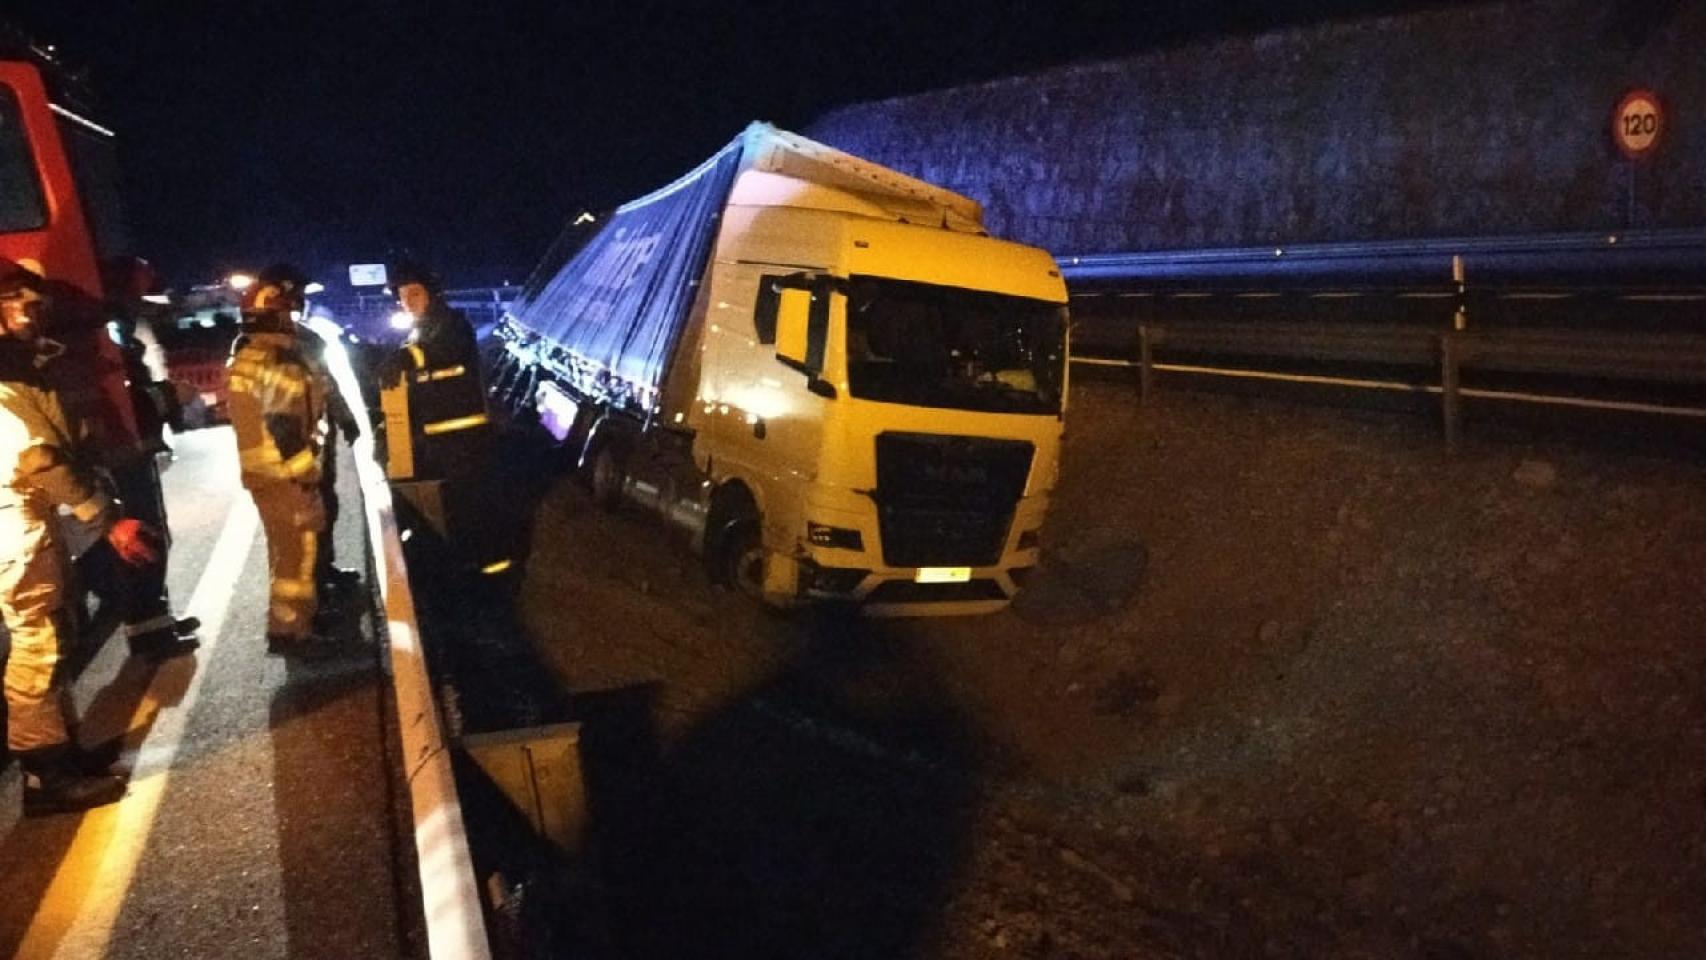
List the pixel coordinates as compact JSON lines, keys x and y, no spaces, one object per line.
{"x":335,"y":858}
{"x":790,"y":822}
{"x":33,"y":850}
{"x":820,"y":812}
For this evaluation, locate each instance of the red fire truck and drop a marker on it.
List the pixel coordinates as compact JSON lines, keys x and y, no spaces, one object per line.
{"x":59,"y":216}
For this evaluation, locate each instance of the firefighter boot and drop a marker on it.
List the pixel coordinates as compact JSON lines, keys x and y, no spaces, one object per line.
{"x":339,"y":590}
{"x":53,"y":784}
{"x":158,"y":646}
{"x":334,"y":579}
{"x":98,"y":759}
{"x":308,"y":647}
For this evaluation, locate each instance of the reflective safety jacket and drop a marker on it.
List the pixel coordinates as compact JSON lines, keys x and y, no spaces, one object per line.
{"x":277,"y":407}
{"x":444,"y":400}
{"x":40,"y":453}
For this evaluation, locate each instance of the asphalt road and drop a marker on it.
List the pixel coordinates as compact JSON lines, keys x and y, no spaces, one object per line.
{"x":259,"y":820}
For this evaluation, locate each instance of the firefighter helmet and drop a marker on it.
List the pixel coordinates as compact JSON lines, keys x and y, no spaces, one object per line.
{"x":19,"y":282}
{"x":20,"y":298}
{"x":277,"y":291}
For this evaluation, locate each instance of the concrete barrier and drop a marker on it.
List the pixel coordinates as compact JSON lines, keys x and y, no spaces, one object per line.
{"x":455,"y":924}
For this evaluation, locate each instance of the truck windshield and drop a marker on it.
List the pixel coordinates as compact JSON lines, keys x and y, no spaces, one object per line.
{"x":934,"y":346}
{"x":21,"y":206}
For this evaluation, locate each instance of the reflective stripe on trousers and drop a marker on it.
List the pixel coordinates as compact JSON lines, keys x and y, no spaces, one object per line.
{"x":263,"y":465}
{"x":293,"y":516}
{"x":32,"y":599}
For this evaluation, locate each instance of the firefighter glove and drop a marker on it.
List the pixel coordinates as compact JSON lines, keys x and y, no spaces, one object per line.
{"x":136,"y":543}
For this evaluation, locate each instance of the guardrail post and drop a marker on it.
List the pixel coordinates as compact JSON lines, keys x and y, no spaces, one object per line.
{"x":1460,"y":318}
{"x":1145,"y":363}
{"x":1451,"y":397}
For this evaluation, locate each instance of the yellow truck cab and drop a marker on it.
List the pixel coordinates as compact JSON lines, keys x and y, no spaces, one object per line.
{"x":861,"y":400}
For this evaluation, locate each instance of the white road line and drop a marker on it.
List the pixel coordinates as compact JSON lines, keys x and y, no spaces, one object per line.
{"x":76,"y":916}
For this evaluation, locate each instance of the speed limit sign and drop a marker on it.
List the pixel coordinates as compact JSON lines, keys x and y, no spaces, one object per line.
{"x":1637,"y":123}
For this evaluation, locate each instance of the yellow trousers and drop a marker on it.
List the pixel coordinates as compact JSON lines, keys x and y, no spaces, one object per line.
{"x":294,"y":517}
{"x":32,"y":598}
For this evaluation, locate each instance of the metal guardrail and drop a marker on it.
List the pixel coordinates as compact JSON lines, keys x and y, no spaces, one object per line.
{"x":1592,"y":355}
{"x":455,"y":923}
{"x":484,"y":306}
{"x":1622,"y":259}
{"x":1544,"y":295}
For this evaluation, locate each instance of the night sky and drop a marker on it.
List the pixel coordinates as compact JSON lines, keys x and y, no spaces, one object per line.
{"x":467,"y":134}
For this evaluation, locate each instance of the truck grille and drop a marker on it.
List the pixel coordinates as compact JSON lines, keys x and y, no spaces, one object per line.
{"x":945,"y":501}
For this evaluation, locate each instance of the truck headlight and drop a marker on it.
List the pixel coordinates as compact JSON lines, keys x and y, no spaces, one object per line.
{"x":823,"y":535}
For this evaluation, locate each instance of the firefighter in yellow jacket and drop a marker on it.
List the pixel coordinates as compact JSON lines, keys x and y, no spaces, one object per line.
{"x":278,"y":408}
{"x":41,"y":471}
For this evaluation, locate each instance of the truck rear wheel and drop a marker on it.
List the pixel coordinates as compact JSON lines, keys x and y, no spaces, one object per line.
{"x":609,"y":472}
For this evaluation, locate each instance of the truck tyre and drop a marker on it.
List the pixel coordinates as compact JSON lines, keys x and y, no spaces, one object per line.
{"x":734,"y":555}
{"x":742,"y":556}
{"x":609,"y":471}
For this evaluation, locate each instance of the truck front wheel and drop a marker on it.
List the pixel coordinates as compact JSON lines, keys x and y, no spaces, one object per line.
{"x":734,"y":551}
{"x":744,"y":552}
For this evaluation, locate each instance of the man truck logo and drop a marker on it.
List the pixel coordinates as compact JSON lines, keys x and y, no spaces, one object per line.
{"x":953,"y":470}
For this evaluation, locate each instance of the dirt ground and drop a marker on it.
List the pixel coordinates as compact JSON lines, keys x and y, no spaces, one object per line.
{"x":1295,"y":682}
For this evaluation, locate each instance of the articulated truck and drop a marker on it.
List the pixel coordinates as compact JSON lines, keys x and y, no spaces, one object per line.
{"x":824,"y":372}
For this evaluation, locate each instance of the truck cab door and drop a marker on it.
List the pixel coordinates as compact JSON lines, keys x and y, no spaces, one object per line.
{"x":778,"y":395}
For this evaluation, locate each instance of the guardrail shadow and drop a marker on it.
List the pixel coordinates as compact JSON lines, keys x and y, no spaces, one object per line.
{"x":783,"y":825}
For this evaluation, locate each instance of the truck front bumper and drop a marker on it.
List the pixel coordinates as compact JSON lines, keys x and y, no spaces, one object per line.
{"x":857,"y":574}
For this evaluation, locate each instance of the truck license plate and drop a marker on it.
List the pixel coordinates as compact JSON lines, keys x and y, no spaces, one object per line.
{"x":943,"y":575}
